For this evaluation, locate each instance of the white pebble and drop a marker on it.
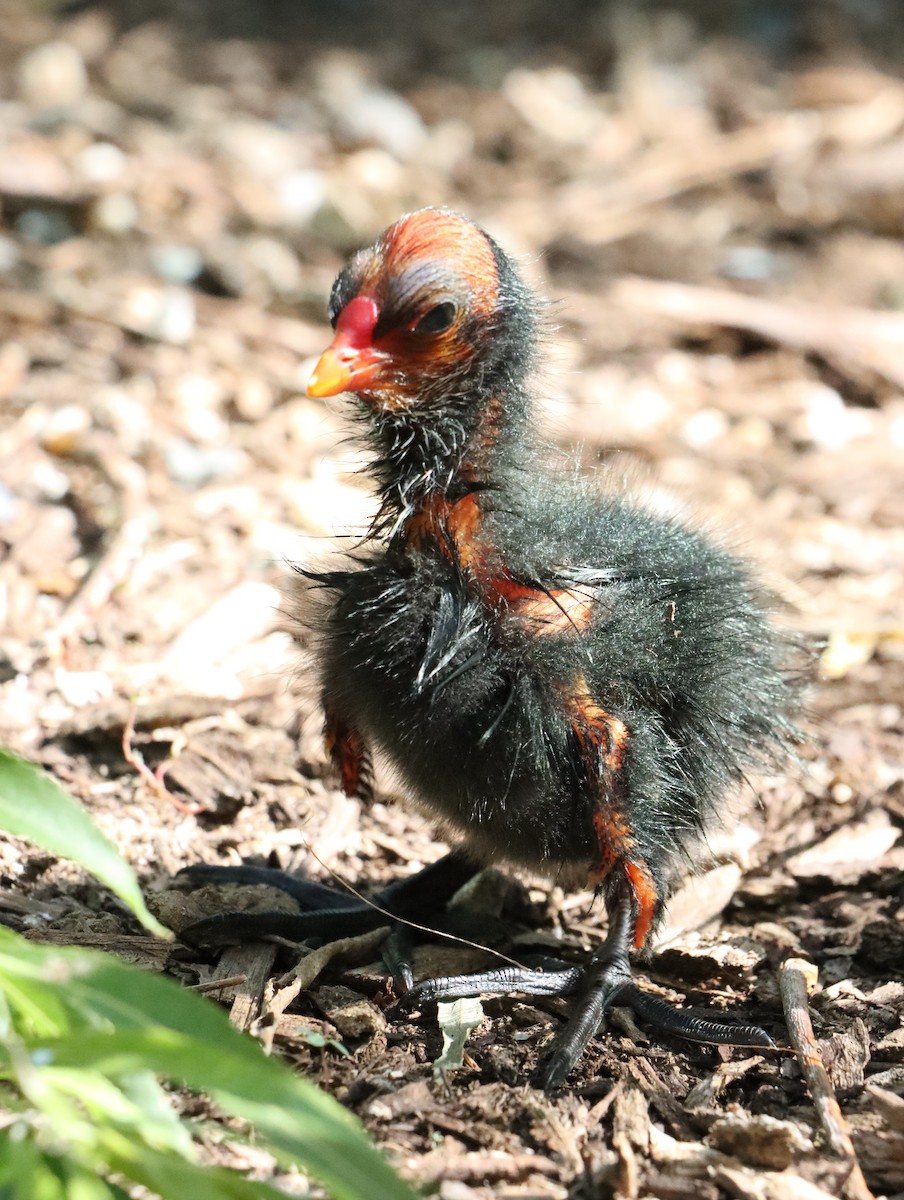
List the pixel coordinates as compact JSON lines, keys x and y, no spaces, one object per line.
{"x":83,"y":687}
{"x":300,"y":195}
{"x":52,"y":76}
{"x":101,"y":162}
{"x":829,"y":422}
{"x":65,"y":429}
{"x":705,"y":427}
{"x":116,"y":213}
{"x":167,"y":314}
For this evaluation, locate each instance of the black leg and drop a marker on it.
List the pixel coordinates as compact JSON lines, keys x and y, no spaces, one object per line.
{"x":430,"y":890}
{"x":329,"y":914}
{"x":308,"y":894}
{"x":605,"y":982}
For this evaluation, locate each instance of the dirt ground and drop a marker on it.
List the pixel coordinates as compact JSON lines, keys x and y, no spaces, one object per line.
{"x":716,"y":213}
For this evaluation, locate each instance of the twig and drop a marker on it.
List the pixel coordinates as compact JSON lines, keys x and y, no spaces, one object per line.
{"x":279,"y":995}
{"x":214,"y":985}
{"x":796,"y":978}
{"x":595,"y":216}
{"x":135,"y":759}
{"x":448,"y":937}
{"x":874,"y":340}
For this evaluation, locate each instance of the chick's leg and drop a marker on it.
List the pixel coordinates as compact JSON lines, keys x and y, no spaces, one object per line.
{"x":632,"y":898}
{"x":607,"y":982}
{"x":328,"y":914}
{"x":601,"y":745}
{"x":348,"y":753}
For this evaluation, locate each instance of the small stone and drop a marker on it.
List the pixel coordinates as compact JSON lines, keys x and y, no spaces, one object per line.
{"x":254,"y":398}
{"x":44,"y":226}
{"x":9,"y":254}
{"x":101,"y":162}
{"x":704,"y":427}
{"x":366,"y":113}
{"x":8,"y":505}
{"x":276,"y":263}
{"x":352,"y":1015}
{"x":200,"y":395}
{"x":50,"y":482}
{"x":79,"y":688}
{"x":65,"y":430}
{"x":385,"y":118}
{"x":376,"y":170}
{"x":456,"y":1189}
{"x":174,"y":263}
{"x":165,"y":314}
{"x":827,"y":421}
{"x":116,"y":213}
{"x":300,"y":195}
{"x":193,"y":466}
{"x":52,"y":76}
{"x":753,"y":263}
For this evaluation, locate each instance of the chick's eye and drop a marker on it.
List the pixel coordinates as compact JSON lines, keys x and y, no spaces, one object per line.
{"x":438,"y":319}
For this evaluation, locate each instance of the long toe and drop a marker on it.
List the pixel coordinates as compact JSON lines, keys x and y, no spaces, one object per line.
{"x":500,"y":982}
{"x":601,"y":984}
{"x":229,"y":929}
{"x":307,"y":894}
{"x":327,"y":914}
{"x":664,"y":1018}
{"x":607,"y":985}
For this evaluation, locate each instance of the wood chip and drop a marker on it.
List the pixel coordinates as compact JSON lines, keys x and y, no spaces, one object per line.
{"x":794,"y":977}
{"x":759,"y":1141}
{"x":848,"y":853}
{"x":281,"y":994}
{"x":704,"y":1093}
{"x":252,"y":963}
{"x":754,"y":1185}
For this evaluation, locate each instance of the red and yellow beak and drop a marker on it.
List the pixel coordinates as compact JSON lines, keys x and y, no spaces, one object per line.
{"x":351,"y":363}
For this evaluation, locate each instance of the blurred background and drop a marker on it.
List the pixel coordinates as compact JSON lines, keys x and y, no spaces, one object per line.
{"x":712,"y":197}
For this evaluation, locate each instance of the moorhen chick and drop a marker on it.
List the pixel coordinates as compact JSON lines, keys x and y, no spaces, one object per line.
{"x":566,"y":680}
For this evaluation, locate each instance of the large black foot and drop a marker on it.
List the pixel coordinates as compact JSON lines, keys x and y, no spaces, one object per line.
{"x":605,"y":983}
{"x":325,"y":913}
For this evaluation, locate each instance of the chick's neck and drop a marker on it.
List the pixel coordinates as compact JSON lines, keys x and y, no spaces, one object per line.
{"x":436,"y":468}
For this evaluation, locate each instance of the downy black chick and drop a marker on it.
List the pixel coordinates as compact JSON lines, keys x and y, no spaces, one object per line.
{"x":566,"y":681}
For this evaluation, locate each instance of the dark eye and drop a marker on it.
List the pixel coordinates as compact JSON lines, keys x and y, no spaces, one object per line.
{"x":438,"y":319}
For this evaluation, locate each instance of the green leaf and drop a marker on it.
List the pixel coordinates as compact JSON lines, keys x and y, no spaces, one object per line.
{"x":135,"y":1106}
{"x":149,"y":1023}
{"x":300,"y":1123}
{"x":174,"y":1178}
{"x":28,"y":1173}
{"x":34,"y":807}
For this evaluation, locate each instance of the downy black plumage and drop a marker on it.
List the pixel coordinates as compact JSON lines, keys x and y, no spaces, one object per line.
{"x":566,"y":681}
